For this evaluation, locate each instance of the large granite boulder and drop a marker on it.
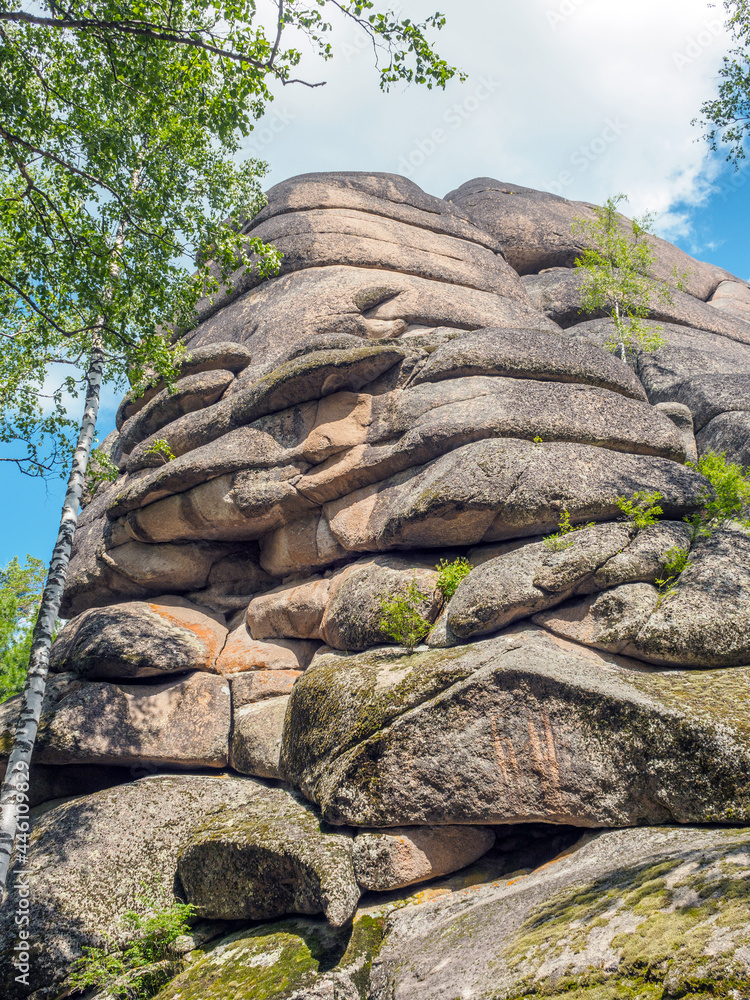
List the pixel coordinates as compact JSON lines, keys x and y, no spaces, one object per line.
{"x":269,"y":858}
{"x":535,"y":230}
{"x":183,"y":722}
{"x":167,"y":636}
{"x":640,"y":913}
{"x":540,"y":575}
{"x":391,"y":859}
{"x":701,"y":621}
{"x":528,"y":727}
{"x":92,"y":859}
{"x":257,"y":731}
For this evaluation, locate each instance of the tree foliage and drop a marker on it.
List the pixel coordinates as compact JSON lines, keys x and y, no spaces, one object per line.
{"x":121,"y":127}
{"x":726,"y":117}
{"x":617,"y":265}
{"x":401,"y":616}
{"x":150,"y":960}
{"x":729,"y":499}
{"x":450,"y":574}
{"x":20,"y":594}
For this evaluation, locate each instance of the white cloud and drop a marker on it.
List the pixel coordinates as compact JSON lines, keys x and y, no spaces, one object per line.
{"x":584,"y":97}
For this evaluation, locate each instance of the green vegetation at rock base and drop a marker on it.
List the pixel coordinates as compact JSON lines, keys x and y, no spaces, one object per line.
{"x":146,"y":964}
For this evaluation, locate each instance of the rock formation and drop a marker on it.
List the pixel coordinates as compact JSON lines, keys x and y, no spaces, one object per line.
{"x":565,"y":758}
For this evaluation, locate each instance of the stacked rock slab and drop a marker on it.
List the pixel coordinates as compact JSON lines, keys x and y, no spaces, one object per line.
{"x":565,"y":759}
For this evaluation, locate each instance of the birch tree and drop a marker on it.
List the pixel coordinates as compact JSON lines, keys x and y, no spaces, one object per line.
{"x":120,"y":128}
{"x":617,"y":270}
{"x":726,"y":117}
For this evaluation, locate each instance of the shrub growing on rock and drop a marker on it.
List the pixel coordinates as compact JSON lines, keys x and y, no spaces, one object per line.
{"x":148,"y":962}
{"x":617,"y":269}
{"x":450,"y":574}
{"x":731,"y":499}
{"x":402,"y":620}
{"x":560,"y":540}
{"x":643,"y":509}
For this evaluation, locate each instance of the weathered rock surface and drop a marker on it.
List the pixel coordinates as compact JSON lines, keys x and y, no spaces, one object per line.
{"x":269,"y":858}
{"x":191,"y":393}
{"x":294,"y":610}
{"x":123,"y":641}
{"x":528,"y":354}
{"x":706,"y":620}
{"x":258,"y":685}
{"x":682,"y":418}
{"x":482,"y":492}
{"x":257,"y":730}
{"x":388,"y":195}
{"x":117,"y":844}
{"x":536,"y":728}
{"x":557,"y":294}
{"x":707,"y":396}
{"x":542,"y":574}
{"x":699,"y":371}
{"x":243,"y":653}
{"x":181,"y":722}
{"x":353,"y":614}
{"x":351,"y":238}
{"x":670,"y":901}
{"x":728,"y":433}
{"x":353,"y":441}
{"x":701,"y":622}
{"x":299,"y":380}
{"x":609,"y":620}
{"x":363,"y":302}
{"x":217,"y":356}
{"x":417,"y":384}
{"x":732,"y":297}
{"x":305,"y":959}
{"x":392,"y":859}
{"x":108,"y":566}
{"x":286,"y":960}
{"x":534,"y":229}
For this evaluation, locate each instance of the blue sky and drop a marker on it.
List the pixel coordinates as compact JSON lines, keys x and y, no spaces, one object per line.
{"x":586,"y":98}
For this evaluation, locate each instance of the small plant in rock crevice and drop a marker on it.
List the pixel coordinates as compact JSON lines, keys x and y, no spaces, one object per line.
{"x":561,"y":540}
{"x":675,"y":561}
{"x":101,"y":469}
{"x":450,"y":574}
{"x":161,"y":449}
{"x":642,"y":509}
{"x":401,"y":620}
{"x":149,"y":962}
{"x":731,"y":497}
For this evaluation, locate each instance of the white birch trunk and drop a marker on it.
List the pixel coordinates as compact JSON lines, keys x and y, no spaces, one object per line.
{"x":14,"y":796}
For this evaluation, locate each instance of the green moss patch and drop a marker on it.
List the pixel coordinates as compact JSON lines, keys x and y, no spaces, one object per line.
{"x":266,"y":963}
{"x":668,"y":929}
